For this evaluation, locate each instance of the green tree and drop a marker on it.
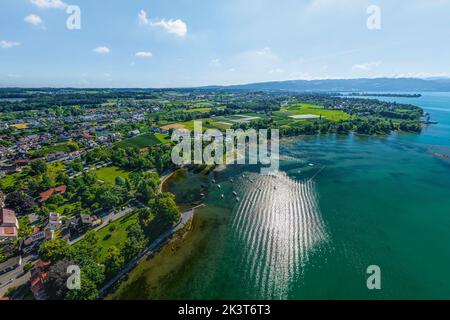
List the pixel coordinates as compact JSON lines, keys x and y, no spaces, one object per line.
{"x":54,"y":250}
{"x":165,"y":209}
{"x":56,"y":284}
{"x":73,"y":146}
{"x":145,"y":217}
{"x":38,"y":166}
{"x":88,"y":290}
{"x":87,"y":249}
{"x":108,"y":197}
{"x":120,"y":181}
{"x":20,"y":201}
{"x":25,"y":229}
{"x":135,"y":242}
{"x":114,"y":262}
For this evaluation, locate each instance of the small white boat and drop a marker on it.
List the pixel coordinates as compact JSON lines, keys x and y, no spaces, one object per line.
{"x":219,"y":186}
{"x":311,"y":164}
{"x":237,"y":199}
{"x":222,"y":196}
{"x":213,"y":181}
{"x":235,"y":193}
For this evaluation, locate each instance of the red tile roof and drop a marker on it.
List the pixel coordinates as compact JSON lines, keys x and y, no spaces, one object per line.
{"x":8,"y":232}
{"x":21,"y":161}
{"x":47,"y":194}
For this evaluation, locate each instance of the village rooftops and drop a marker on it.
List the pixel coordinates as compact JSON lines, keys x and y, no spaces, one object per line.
{"x":8,"y":232}
{"x":87,"y":136}
{"x":86,"y":219}
{"x":9,"y":225}
{"x":37,"y":282}
{"x":8,"y":218}
{"x":47,"y":194}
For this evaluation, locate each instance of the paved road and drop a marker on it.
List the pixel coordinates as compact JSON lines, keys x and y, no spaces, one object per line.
{"x":185,"y":218}
{"x":18,"y":276}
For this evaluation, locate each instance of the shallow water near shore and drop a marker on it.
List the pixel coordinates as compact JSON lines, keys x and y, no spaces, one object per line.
{"x":338,"y":205}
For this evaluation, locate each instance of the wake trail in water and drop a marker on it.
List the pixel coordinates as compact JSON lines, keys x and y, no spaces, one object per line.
{"x":278,"y":224}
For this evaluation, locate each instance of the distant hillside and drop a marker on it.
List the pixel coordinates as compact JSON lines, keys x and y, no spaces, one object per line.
{"x":367,"y":85}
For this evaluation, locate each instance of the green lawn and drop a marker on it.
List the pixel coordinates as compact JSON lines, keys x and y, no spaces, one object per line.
{"x":117,"y":237}
{"x":45,"y":151}
{"x":202,"y":110}
{"x":207,"y":124}
{"x":142,"y":141}
{"x":163,"y":138}
{"x":304,"y":108}
{"x":109,"y":174}
{"x":69,"y":206}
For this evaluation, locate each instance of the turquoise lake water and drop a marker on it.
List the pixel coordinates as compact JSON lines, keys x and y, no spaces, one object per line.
{"x":338,"y":205}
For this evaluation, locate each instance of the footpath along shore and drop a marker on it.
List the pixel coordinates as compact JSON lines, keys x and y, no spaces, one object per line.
{"x":155,"y":245}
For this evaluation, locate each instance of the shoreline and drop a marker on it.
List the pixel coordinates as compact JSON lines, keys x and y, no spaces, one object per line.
{"x":165,"y":178}
{"x":185,"y":223}
{"x":165,"y":241}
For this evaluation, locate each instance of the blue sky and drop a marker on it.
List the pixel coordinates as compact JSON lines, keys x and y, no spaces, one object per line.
{"x":171,"y":43}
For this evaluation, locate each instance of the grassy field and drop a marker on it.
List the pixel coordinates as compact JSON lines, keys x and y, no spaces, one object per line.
{"x":202,"y":110}
{"x":114,"y":234}
{"x":69,"y":206}
{"x":142,"y":141}
{"x":60,"y":147}
{"x":206,"y":124}
{"x":109,"y":174}
{"x":53,"y":169}
{"x":163,"y":138}
{"x":303,"y":108}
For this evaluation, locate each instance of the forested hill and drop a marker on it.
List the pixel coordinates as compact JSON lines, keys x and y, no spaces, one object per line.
{"x":339,"y":85}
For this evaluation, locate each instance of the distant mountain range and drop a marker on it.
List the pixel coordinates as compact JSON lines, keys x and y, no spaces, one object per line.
{"x":349,"y":85}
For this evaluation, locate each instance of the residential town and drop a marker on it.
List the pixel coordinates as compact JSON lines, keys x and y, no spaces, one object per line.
{"x":77,"y":165}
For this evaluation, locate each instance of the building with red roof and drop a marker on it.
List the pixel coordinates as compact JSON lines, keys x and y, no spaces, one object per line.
{"x":44,"y":196}
{"x":9,"y":225}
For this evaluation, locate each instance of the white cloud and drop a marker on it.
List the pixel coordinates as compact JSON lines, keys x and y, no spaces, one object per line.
{"x":102,"y":50}
{"x":8,"y":44}
{"x":49,"y":4}
{"x":13,"y":75}
{"x":276,"y":70}
{"x":422,"y":75}
{"x":215,"y":63}
{"x":142,"y":16}
{"x":143,"y":54}
{"x":177,"y":27}
{"x":33,"y":19}
{"x":366,"y":66}
{"x":265,"y":51}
